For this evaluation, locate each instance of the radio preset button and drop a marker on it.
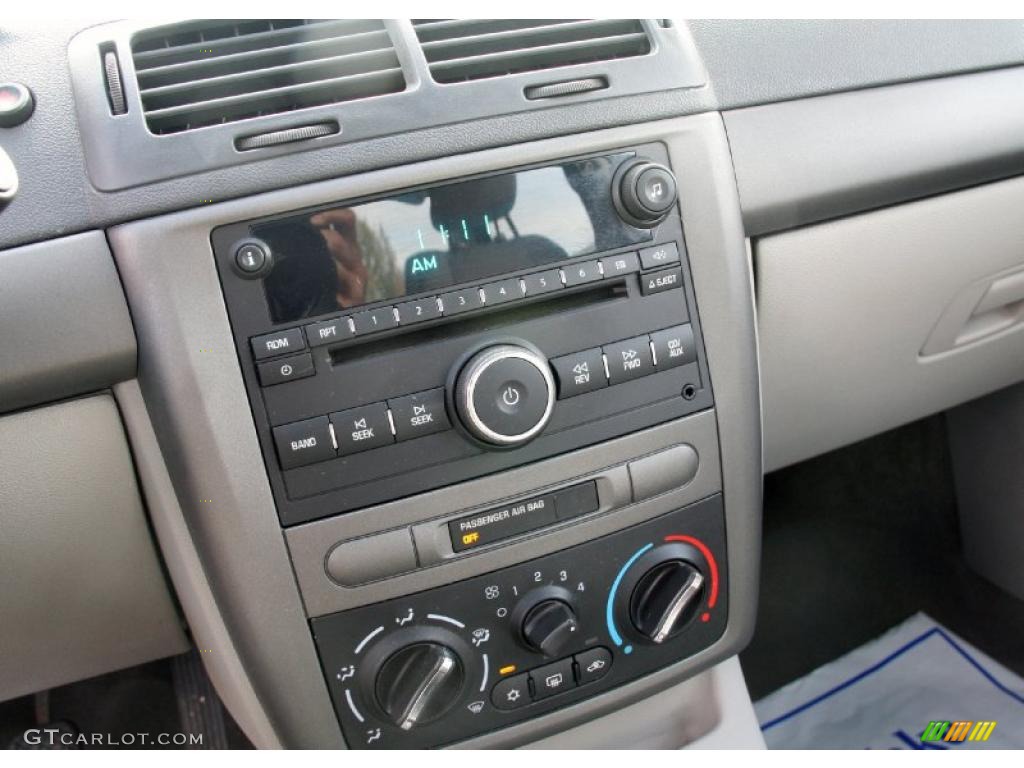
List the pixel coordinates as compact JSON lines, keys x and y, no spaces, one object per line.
{"x":363,"y":428}
{"x":280,"y":343}
{"x":629,"y":359}
{"x":502,"y":291}
{"x":659,"y":255}
{"x":418,"y":311}
{"x":303,"y":442}
{"x":542,"y":282}
{"x":584,"y":272}
{"x":374,"y":320}
{"x":288,"y":369}
{"x":419,"y":414}
{"x":329,"y":331}
{"x":552,"y":678}
{"x":456,"y":302}
{"x":664,"y":280}
{"x":621,"y":264}
{"x":674,"y":346}
{"x":579,"y":372}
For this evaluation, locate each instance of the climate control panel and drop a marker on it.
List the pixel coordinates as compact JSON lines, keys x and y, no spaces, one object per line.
{"x":441,"y":666}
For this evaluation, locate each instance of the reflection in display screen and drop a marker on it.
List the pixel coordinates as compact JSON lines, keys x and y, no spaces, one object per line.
{"x":343,"y":257}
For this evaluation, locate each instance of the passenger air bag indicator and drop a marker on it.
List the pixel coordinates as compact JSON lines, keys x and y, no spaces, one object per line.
{"x":501,"y":522}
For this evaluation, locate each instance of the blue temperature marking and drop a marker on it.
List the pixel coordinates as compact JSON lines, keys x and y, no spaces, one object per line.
{"x":609,"y":619}
{"x":465,"y":230}
{"x":487,"y":225}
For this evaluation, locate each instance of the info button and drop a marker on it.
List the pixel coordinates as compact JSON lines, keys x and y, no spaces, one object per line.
{"x":500,"y":523}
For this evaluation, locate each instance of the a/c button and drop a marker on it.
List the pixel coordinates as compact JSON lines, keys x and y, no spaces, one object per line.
{"x":512,"y":692}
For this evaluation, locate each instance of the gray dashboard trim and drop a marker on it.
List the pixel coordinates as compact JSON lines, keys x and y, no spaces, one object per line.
{"x":605,"y":463}
{"x":205,"y":621}
{"x":191,"y":380}
{"x":804,"y":161}
{"x":121,"y":152}
{"x":66,"y":327}
{"x":759,"y":61}
{"x":50,"y":159}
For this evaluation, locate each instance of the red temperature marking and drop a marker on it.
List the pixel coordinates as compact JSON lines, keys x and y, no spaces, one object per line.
{"x":707,"y":556}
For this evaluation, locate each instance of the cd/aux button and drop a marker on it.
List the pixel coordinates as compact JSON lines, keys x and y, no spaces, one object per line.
{"x":363,"y":428}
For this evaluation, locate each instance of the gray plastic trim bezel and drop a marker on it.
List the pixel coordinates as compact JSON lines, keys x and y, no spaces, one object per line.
{"x":121,"y":152}
{"x":192,"y":384}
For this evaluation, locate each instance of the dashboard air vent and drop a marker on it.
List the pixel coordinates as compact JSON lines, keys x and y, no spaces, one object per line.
{"x":202,"y":73}
{"x":473,"y":49}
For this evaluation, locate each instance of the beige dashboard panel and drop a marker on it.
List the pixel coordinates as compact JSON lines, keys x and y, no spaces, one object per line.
{"x":875,"y":320}
{"x":83,"y":591}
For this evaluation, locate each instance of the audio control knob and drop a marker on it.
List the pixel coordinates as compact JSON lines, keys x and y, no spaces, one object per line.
{"x":504,"y":394}
{"x":644,"y":192}
{"x":549,"y":627}
{"x":417,"y":684}
{"x":665,"y":599}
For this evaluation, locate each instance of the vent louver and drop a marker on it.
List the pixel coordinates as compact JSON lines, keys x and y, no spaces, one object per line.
{"x":203,"y":73}
{"x":473,"y":49}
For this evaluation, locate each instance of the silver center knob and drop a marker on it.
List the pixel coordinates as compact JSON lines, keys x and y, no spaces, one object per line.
{"x":505,"y":394}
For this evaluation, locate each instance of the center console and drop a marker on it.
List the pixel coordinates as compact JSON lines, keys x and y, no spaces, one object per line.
{"x":470,"y":450}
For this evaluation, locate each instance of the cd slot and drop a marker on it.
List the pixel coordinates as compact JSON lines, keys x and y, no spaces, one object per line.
{"x":489,"y":319}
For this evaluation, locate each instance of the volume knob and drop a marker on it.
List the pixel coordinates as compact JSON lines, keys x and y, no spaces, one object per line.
{"x":504,"y":394}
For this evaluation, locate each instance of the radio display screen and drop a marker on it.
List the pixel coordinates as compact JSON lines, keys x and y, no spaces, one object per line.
{"x":345,"y":256}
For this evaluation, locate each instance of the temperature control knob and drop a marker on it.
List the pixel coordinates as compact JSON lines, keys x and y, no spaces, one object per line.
{"x":644,"y":192}
{"x":665,"y":598}
{"x":549,"y":627}
{"x":419,"y":683}
{"x":504,"y":394}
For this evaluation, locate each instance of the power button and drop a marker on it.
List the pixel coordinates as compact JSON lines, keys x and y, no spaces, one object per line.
{"x":505,"y":394}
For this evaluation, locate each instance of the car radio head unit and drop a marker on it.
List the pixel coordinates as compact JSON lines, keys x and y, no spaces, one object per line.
{"x":405,"y":342}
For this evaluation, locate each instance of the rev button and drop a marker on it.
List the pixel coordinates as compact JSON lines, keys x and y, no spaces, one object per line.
{"x":363,"y":428}
{"x":579,"y":372}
